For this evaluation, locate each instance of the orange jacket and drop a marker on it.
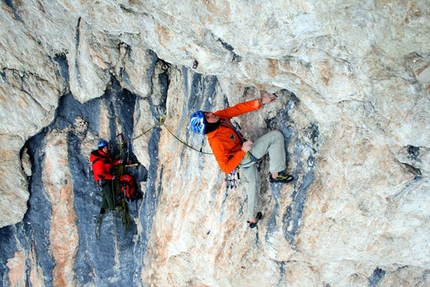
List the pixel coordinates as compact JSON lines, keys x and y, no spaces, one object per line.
{"x":224,"y":141}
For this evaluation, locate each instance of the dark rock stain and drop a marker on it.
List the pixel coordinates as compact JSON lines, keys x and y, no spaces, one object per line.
{"x":376,"y":277}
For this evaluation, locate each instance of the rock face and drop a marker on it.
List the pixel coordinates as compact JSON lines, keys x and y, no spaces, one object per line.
{"x":353,"y":81}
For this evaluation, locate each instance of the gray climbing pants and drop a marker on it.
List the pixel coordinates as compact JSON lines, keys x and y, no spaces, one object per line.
{"x":272,"y":143}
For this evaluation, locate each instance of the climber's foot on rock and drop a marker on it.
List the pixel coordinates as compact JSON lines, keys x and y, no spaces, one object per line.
{"x":253,"y":221}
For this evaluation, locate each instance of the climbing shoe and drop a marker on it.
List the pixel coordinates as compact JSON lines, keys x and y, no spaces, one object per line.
{"x":258,"y":217}
{"x":282,"y":177}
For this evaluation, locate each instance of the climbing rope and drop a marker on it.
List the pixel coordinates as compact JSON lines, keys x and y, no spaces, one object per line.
{"x":125,"y":218}
{"x":185,"y":144}
{"x":120,"y":170}
{"x":161,"y":122}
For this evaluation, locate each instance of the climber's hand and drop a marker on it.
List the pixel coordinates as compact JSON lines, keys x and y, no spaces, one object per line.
{"x":247,"y":146}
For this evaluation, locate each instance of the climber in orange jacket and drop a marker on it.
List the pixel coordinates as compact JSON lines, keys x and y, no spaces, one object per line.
{"x":103,"y":170}
{"x":231,"y":150}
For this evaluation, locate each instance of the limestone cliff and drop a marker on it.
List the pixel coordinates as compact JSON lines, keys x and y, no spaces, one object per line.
{"x":353,"y":79}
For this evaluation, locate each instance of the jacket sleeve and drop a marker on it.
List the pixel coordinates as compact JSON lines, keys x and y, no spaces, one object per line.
{"x":239,"y":109}
{"x":227,"y":162}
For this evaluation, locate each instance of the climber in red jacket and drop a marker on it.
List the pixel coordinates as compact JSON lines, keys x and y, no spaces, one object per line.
{"x":231,"y":150}
{"x":103,"y":170}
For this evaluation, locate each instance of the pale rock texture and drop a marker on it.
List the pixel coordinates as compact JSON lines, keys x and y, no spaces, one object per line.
{"x":59,"y":188}
{"x":353,"y":79}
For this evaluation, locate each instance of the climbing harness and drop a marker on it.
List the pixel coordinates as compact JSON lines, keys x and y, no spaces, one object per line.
{"x":250,"y":156}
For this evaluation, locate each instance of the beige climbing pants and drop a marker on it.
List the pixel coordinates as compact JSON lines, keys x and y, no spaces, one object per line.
{"x":272,"y":143}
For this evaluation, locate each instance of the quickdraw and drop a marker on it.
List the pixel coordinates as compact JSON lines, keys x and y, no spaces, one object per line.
{"x":232,"y":179}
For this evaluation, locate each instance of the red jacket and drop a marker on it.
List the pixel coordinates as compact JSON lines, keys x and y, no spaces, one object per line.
{"x":224,"y":141}
{"x":102,"y":165}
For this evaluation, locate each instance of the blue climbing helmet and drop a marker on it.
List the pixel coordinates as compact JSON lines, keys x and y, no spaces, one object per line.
{"x":102,"y":144}
{"x":197,"y":122}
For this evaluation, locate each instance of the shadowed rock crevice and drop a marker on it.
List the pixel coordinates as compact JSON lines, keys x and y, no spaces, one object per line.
{"x":304,"y":155}
{"x":282,"y":272}
{"x":153,"y":189}
{"x":8,"y":247}
{"x":11,"y":5}
{"x":356,"y":135}
{"x":293,"y":215}
{"x":78,"y":39}
{"x":37,"y":219}
{"x":63,"y":69}
{"x":235,"y":58}
{"x":79,"y":121}
{"x":304,"y":146}
{"x":377,"y":275}
{"x":413,"y":153}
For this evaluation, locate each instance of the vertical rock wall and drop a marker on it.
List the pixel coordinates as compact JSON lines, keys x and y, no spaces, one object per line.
{"x":353,"y":80}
